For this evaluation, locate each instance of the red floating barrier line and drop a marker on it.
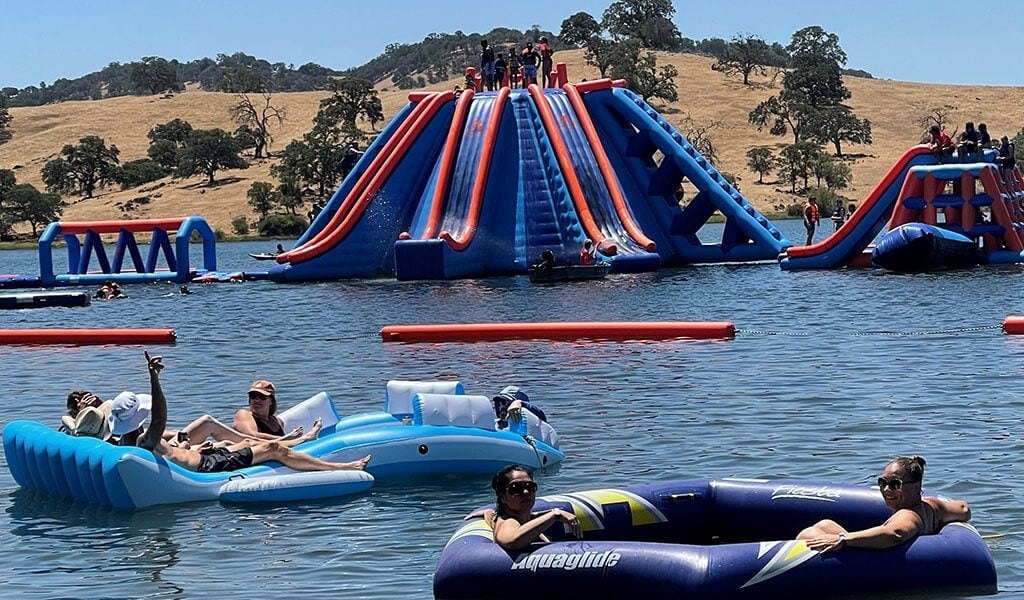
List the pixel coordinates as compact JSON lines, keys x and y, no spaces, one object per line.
{"x":617,"y":330}
{"x":87,"y":336}
{"x":1013,"y":325}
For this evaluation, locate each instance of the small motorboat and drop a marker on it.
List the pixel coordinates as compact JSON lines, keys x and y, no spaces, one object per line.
{"x":263,"y":255}
{"x":546,"y":274}
{"x":916,"y":247}
{"x":426,"y":428}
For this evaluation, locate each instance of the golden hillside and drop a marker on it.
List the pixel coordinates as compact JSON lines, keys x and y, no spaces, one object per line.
{"x":707,"y":96}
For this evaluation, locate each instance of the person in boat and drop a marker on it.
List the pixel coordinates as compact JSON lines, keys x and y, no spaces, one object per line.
{"x":547,"y":261}
{"x":230,"y":458}
{"x":912,"y":514}
{"x":280,"y":249}
{"x":588,"y":253}
{"x":509,"y":405}
{"x":515,"y":524}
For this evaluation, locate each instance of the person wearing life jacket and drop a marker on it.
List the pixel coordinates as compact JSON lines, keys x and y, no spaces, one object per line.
{"x":811,"y":219}
{"x":588,"y":253}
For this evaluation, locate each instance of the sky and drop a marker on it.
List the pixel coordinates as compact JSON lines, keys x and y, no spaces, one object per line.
{"x":906,"y":40}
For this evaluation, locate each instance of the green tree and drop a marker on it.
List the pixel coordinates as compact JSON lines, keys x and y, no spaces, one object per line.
{"x":642,"y":74}
{"x":262,"y":198}
{"x":796,"y":163}
{"x":649,"y":21}
{"x":760,"y":161}
{"x":256,"y":117}
{"x":155,"y":75}
{"x":242,"y":81}
{"x":137,"y":172}
{"x":816,"y":60}
{"x":745,"y":54}
{"x":315,"y":161}
{"x":29,"y":204}
{"x":837,"y":124}
{"x":5,"y":120}
{"x":351,"y":98}
{"x":781,"y":114}
{"x":579,"y":29}
{"x":83,"y":168}
{"x":7,"y":182}
{"x":166,"y":140}
{"x":207,"y":151}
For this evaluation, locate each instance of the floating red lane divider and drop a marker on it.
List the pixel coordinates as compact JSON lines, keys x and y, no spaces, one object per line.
{"x":616,"y":330}
{"x":87,"y":336}
{"x":1013,"y":325}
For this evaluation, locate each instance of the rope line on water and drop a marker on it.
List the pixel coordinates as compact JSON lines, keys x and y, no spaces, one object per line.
{"x":875,"y":333}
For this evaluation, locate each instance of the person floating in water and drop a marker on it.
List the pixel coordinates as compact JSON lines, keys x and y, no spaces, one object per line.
{"x":110,"y":291}
{"x":184,"y":290}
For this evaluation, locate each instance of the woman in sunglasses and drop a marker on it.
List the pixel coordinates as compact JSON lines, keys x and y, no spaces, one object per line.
{"x":515,"y":525}
{"x":912,"y":514}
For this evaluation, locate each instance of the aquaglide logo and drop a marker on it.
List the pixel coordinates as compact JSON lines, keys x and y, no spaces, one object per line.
{"x":807,"y":492}
{"x":566,"y":561}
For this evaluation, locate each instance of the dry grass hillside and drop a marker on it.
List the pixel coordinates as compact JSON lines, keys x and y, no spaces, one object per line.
{"x":706,"y":96}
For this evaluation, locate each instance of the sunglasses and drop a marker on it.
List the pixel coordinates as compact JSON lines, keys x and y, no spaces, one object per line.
{"x":895,"y":484}
{"x":518,"y":488}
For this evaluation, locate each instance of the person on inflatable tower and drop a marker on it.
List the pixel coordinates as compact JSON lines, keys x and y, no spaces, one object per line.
{"x":970,"y":142}
{"x":499,"y":70}
{"x":230,"y":458}
{"x":487,"y":65}
{"x":941,"y":144}
{"x":545,"y":61}
{"x":513,"y":68}
{"x":912,"y":514}
{"x":515,"y":524}
{"x":529,"y":59}
{"x":509,"y":405}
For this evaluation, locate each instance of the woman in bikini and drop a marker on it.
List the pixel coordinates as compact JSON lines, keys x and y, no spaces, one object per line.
{"x":912,"y":514}
{"x":515,"y":525}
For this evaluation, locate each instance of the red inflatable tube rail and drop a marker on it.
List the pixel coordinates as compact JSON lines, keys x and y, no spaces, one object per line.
{"x":87,"y":336}
{"x":1013,"y":325}
{"x":619,"y":330}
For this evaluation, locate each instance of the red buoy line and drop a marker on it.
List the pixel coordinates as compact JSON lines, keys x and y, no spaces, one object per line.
{"x":87,"y":336}
{"x":561,"y":331}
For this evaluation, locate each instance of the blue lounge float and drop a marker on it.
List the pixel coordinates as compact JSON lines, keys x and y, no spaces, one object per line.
{"x":914,"y":247}
{"x":427,"y":428}
{"x":703,"y":538}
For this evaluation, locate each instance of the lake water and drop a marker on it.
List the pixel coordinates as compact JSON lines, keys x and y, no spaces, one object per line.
{"x":830,"y":375}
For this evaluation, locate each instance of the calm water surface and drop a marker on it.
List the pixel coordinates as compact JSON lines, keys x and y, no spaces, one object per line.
{"x":830,"y":375}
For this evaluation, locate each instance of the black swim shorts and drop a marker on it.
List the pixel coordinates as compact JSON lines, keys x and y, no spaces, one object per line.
{"x":221,"y":460}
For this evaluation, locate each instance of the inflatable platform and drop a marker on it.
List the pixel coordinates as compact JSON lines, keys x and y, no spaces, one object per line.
{"x":427,"y":428}
{"x":484,"y":183}
{"x":713,"y":539}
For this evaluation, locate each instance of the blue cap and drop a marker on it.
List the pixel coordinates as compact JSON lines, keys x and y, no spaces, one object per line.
{"x":510,"y":394}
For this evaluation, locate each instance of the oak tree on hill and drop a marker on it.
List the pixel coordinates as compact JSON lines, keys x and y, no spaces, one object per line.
{"x":155,"y":75}
{"x":5,"y":120}
{"x":649,"y":21}
{"x":166,"y":140}
{"x":837,"y":124}
{"x":745,"y":55}
{"x":26,"y":203}
{"x":207,"y":151}
{"x":642,"y":74}
{"x":262,"y":198}
{"x":581,"y":29}
{"x":7,"y":183}
{"x":351,"y":99}
{"x":83,"y":168}
{"x":316,"y":160}
{"x":256,"y":117}
{"x":760,"y":161}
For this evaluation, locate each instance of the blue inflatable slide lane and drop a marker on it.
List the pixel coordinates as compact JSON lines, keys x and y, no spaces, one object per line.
{"x":711,"y":539}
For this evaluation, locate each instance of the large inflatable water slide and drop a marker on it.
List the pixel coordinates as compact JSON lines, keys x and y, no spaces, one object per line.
{"x":482,"y":183}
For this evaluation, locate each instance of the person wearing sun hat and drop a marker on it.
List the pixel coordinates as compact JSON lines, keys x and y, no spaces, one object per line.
{"x":128,"y":413}
{"x":509,"y":405}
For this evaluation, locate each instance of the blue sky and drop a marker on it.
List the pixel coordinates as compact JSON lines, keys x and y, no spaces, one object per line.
{"x":44,"y":40}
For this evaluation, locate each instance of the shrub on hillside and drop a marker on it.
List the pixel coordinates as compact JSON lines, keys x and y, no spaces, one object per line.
{"x":137,"y":172}
{"x":283,"y":225}
{"x":240,"y":225}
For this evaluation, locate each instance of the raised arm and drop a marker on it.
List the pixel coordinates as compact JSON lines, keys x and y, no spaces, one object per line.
{"x":158,"y":417}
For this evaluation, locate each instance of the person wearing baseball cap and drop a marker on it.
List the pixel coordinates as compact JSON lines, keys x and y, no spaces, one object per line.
{"x":259,"y":420}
